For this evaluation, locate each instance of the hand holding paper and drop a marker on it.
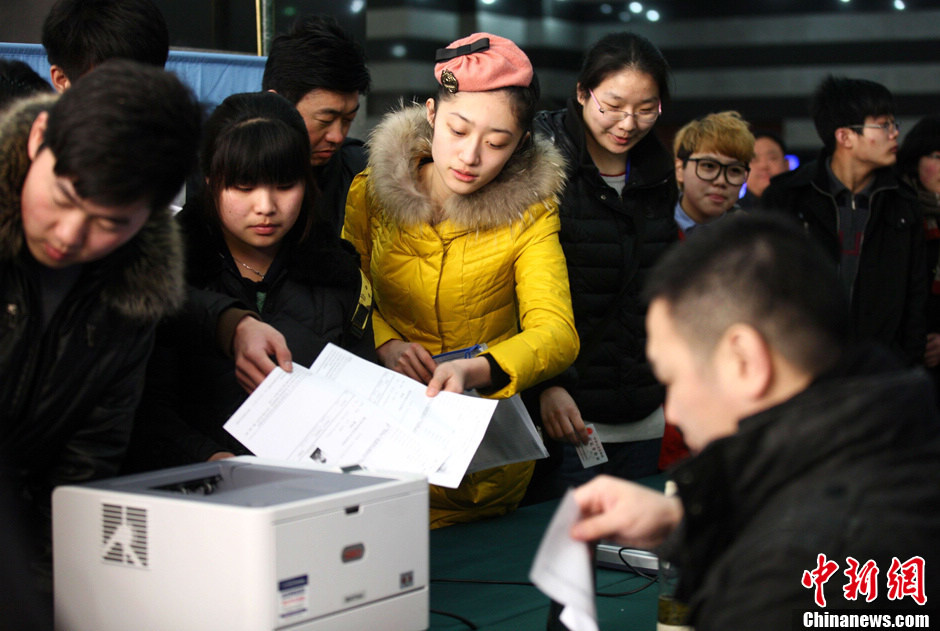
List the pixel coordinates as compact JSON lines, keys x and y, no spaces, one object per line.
{"x":562,"y":569}
{"x":345,"y":410}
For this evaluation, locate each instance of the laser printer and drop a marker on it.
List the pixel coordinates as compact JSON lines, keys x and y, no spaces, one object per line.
{"x":242,"y":544}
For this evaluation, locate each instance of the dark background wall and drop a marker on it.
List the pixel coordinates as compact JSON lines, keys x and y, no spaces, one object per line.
{"x":760,"y":57}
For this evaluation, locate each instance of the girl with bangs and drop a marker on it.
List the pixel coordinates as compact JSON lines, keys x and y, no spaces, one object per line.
{"x":251,"y":246}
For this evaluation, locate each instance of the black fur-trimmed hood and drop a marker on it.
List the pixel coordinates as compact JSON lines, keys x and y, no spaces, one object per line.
{"x":142,"y":280}
{"x":403,"y":139}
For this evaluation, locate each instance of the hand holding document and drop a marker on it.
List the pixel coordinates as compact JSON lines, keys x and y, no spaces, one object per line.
{"x":345,"y":411}
{"x":563,"y":570}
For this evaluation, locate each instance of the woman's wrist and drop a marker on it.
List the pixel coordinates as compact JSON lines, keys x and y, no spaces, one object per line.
{"x":477,"y":373}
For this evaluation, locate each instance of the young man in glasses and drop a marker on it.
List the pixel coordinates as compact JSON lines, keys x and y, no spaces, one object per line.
{"x":851,"y":202}
{"x":712,"y":157}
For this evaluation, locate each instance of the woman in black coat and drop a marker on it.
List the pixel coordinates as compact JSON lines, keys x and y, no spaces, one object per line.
{"x":250,"y":242}
{"x":616,"y":220}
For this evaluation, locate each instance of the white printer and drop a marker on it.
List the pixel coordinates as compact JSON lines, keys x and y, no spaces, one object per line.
{"x":242,"y":544}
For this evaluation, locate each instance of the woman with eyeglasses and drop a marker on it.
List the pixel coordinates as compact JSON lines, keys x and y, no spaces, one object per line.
{"x":616,"y":220}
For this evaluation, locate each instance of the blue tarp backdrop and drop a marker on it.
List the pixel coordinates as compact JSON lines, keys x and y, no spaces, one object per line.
{"x":212,"y":76}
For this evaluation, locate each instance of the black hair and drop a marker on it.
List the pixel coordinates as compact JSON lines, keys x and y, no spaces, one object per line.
{"x":125,"y":132}
{"x":843,"y":102}
{"x":315,"y":54}
{"x":624,"y":51}
{"x":762,"y":270}
{"x":256,"y":138}
{"x":81,"y":34}
{"x":921,"y":140}
{"x":17,"y":79}
{"x":775,"y":137}
{"x":522,"y":100}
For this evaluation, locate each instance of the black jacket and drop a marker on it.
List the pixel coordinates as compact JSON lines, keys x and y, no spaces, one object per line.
{"x":68,"y":393}
{"x":610,"y":243}
{"x":890,"y":293}
{"x":333,"y":180}
{"x":847,"y":467}
{"x":312,"y":296}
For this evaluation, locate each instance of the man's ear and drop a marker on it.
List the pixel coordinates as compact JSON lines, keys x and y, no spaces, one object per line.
{"x":746,"y":361}
{"x":37,"y":133}
{"x":429,"y":107}
{"x":60,"y":82}
{"x":845,"y":137}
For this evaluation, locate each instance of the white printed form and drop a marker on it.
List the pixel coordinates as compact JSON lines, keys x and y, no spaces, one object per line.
{"x":346,"y":411}
{"x":298,"y":416}
{"x":453,"y":423}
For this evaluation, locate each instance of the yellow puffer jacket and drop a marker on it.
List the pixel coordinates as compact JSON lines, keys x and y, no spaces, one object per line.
{"x":494,"y":263}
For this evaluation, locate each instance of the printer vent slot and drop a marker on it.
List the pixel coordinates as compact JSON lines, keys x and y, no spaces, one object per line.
{"x":124,"y":535}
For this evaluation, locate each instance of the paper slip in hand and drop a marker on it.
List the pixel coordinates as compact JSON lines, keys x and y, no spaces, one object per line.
{"x":345,"y":410}
{"x":592,"y":452}
{"x":562,"y":569}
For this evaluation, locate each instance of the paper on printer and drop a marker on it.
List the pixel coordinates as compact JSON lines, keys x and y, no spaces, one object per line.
{"x":345,"y":410}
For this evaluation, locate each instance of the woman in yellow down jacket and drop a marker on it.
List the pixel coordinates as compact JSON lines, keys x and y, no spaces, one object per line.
{"x":456,"y":221}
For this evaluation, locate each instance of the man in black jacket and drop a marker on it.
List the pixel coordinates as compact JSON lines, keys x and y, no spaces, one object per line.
{"x":319,"y":68}
{"x":89,"y":262}
{"x":850,"y":201}
{"x":812,"y":485}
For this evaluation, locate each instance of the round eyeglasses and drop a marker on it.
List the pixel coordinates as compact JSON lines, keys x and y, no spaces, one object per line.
{"x":645,"y":117}
{"x":709,"y":170}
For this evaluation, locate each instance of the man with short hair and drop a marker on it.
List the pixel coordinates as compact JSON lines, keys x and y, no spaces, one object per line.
{"x":90,"y":260}
{"x":712,"y":156}
{"x":808,"y":450}
{"x":770,"y":160}
{"x":850,"y":202}
{"x":81,"y":34}
{"x":319,"y":68}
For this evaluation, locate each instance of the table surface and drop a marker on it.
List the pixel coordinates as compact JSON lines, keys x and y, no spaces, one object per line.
{"x":502,"y":549}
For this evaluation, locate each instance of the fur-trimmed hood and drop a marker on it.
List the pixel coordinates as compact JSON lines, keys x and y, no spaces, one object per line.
{"x":402,"y":140}
{"x":142,"y":280}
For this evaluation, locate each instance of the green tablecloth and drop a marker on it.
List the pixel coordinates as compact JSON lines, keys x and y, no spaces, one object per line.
{"x":502,"y":549}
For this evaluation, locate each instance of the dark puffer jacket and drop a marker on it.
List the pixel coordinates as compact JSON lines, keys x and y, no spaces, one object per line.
{"x":610,"y":240}
{"x":68,"y":393}
{"x":846,"y":468}
{"x":890,"y":293}
{"x":312,"y":296}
